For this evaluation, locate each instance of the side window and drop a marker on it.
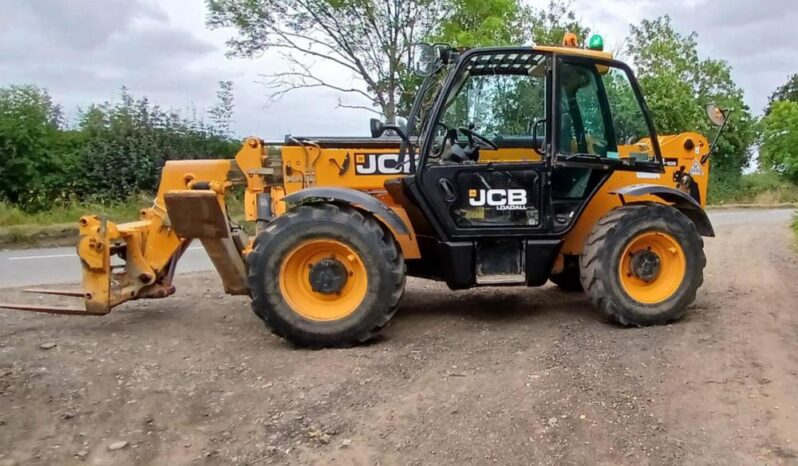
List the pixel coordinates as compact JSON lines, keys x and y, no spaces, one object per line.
{"x":630,"y":124}
{"x":583,"y":128}
{"x":501,"y":98}
{"x":601,"y":117}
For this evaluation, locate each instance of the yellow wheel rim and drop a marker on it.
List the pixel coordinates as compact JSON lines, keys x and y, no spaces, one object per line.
{"x":652,"y":267}
{"x":298,"y":291}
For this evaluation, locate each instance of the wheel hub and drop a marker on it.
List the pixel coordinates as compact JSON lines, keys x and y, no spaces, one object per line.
{"x":328,"y":276}
{"x":645,"y":265}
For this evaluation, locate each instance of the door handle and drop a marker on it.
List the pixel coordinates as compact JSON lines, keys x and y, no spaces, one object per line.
{"x":448,"y":190}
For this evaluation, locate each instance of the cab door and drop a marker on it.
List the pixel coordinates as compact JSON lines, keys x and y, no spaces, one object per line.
{"x":484,"y":171}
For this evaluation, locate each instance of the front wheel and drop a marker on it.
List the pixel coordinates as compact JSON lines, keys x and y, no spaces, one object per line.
{"x":642,"y":264}
{"x":325,"y":276}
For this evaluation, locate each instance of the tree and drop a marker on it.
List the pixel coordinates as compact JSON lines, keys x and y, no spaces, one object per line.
{"x":368,"y":40}
{"x":124,"y":144}
{"x":475,"y":23}
{"x":29,"y":125}
{"x":678,"y":83}
{"x":548,"y":25}
{"x":221,"y":114}
{"x":779,"y":148}
{"x":787,"y":91}
{"x":482,"y":23}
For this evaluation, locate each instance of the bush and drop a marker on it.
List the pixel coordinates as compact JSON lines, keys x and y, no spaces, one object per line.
{"x":115,"y":152}
{"x":763,"y":187}
{"x":779,"y":148}
{"x":29,"y":131}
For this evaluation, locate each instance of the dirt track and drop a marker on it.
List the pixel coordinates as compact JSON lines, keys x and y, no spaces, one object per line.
{"x":506,"y":376}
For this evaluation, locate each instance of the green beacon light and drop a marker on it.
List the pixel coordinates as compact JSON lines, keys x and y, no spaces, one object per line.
{"x":596,"y":43}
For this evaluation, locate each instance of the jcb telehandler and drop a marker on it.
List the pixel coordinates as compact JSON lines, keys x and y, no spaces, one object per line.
{"x":516,"y":165}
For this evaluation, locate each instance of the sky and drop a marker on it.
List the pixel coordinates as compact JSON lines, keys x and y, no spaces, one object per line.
{"x":84,"y":51}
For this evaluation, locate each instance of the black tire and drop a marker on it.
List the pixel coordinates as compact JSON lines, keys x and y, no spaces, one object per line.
{"x":379,"y":253}
{"x":568,"y":280}
{"x":601,"y":260}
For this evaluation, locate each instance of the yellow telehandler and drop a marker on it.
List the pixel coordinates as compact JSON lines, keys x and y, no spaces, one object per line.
{"x":515,"y":166}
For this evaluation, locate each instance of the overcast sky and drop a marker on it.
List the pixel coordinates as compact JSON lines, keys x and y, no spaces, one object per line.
{"x":83,"y":51}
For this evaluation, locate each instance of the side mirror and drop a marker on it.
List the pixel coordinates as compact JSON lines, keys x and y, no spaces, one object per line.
{"x":424,"y":60}
{"x":716,"y":115}
{"x":719,"y":118}
{"x":377,"y":128}
{"x":401,"y":122}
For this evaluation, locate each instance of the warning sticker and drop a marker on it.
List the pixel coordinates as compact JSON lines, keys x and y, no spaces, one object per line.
{"x":696,"y":168}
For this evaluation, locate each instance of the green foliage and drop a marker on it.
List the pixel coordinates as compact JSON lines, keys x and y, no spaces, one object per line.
{"x":125,"y":144}
{"x":11,"y":215}
{"x":548,"y":25}
{"x":221,"y":114}
{"x":483,"y":23}
{"x":787,"y":91}
{"x":678,"y":84}
{"x":779,"y":148}
{"x":762,"y":187}
{"x":115,"y":151}
{"x":29,"y":128}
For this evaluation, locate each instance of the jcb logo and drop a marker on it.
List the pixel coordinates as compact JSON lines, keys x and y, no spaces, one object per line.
{"x":501,"y":199}
{"x":381,"y":164}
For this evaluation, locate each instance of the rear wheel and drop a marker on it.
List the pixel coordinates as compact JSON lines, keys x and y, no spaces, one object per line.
{"x":642,"y":264}
{"x":325,"y":276}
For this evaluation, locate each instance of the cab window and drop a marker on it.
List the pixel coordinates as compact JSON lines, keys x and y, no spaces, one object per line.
{"x":502,"y":98}
{"x":582,"y":128}
{"x":600,"y":115}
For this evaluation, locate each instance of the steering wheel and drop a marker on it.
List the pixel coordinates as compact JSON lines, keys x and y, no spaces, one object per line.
{"x":472,"y":135}
{"x":450,"y":135}
{"x":458,"y":151}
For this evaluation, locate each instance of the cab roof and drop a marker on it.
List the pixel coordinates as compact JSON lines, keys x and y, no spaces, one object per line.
{"x":574,"y":51}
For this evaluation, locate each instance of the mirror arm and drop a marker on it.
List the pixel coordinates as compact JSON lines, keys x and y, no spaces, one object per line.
{"x":405,"y":143}
{"x":404,"y":153}
{"x":714,"y":144}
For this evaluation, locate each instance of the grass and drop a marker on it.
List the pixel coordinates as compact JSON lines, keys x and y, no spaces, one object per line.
{"x":763,"y":188}
{"x":58,"y":226}
{"x":70,"y":214}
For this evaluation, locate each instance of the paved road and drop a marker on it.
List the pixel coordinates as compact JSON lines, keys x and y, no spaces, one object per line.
{"x":60,"y":265}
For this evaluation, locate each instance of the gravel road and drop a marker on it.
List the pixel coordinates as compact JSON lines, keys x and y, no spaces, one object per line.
{"x":505,"y":376}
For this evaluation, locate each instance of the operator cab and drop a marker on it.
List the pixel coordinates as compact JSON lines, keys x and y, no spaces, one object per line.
{"x":511,"y":146}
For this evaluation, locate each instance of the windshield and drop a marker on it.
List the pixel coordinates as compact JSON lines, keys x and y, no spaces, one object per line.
{"x":501,"y":96}
{"x":498,"y":106}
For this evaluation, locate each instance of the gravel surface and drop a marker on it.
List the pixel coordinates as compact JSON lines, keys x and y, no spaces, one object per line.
{"x":505,"y":376}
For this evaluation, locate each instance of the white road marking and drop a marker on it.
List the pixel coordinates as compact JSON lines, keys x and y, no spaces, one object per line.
{"x":53,"y":256}
{"x":59,"y":256}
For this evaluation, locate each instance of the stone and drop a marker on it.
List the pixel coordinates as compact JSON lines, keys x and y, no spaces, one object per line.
{"x":117,"y":445}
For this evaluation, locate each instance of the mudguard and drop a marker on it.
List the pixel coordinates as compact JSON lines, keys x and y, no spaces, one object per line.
{"x":681,"y":201}
{"x":354,"y":198}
